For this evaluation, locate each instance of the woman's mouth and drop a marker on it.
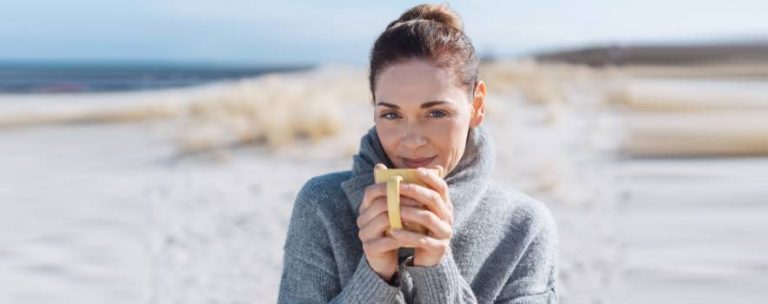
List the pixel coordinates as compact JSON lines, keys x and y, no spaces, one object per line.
{"x":418,"y":162}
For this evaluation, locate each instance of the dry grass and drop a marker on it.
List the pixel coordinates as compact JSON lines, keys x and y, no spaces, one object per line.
{"x":273,"y":110}
{"x":659,"y":100}
{"x":542,"y":83}
{"x":260,"y":110}
{"x":716,"y":133}
{"x":278,"y":110}
{"x":85,"y":115}
{"x":667,"y":111}
{"x":694,"y":111}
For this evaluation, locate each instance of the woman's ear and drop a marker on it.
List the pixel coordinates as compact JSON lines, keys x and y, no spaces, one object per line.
{"x":478,"y":104}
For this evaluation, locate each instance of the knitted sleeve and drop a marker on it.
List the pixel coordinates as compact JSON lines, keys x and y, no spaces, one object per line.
{"x":533,"y":271}
{"x":309,"y":270}
{"x":534,"y":276}
{"x":441,"y":283}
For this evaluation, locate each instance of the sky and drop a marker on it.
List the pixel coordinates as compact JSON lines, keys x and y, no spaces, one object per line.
{"x":242,"y":32}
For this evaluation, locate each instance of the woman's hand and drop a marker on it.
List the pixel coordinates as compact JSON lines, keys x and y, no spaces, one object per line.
{"x":436,"y":217}
{"x":380,"y":249}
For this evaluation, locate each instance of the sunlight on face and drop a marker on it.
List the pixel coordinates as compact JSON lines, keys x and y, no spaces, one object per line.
{"x":422,"y":116}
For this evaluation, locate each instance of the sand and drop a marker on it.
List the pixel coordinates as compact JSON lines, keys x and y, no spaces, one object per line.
{"x":118,"y":211}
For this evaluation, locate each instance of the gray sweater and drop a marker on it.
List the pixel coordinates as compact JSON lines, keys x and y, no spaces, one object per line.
{"x":504,"y":247}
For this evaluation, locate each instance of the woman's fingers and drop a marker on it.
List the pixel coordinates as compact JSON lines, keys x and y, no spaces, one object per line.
{"x":380,"y":245}
{"x":374,"y":228}
{"x":429,"y":198}
{"x":372,"y":192}
{"x":438,"y":228}
{"x":434,"y":182}
{"x":378,"y":206}
{"x":411,"y":239}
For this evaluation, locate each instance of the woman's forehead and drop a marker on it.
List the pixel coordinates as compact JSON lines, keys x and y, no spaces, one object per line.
{"x":415,"y":82}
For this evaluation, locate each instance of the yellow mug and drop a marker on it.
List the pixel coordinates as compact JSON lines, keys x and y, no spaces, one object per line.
{"x":393,"y":178}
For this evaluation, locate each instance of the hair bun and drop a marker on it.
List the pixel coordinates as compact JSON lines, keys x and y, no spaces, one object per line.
{"x":436,"y":12}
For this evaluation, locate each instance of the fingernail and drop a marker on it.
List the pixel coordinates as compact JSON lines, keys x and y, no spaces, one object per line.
{"x":423,"y":171}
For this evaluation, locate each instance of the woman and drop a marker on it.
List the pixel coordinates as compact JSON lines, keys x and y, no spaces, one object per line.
{"x":486,"y":242}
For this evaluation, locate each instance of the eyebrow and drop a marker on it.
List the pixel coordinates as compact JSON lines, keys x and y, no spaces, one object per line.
{"x":425,"y":105}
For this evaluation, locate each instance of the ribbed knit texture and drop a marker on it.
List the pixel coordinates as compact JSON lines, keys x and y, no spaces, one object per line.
{"x":504,"y":248}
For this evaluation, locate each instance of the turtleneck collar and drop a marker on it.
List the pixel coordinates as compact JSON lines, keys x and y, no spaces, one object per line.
{"x":467,"y":182}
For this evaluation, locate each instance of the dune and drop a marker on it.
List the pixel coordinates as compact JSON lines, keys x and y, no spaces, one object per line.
{"x":720,"y":133}
{"x":693,"y":117}
{"x":689,"y":95}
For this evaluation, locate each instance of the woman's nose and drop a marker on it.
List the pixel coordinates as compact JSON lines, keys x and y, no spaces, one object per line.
{"x":414,"y":138}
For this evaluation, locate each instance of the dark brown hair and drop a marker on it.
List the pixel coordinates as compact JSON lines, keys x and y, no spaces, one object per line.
{"x":430,"y":32}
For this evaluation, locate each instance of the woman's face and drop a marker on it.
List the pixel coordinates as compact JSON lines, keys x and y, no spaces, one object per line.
{"x":422,"y":116}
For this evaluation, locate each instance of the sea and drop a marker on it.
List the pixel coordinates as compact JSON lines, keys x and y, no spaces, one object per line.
{"x":78,"y":77}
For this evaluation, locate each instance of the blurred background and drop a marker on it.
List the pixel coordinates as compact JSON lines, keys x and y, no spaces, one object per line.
{"x":150,"y":151}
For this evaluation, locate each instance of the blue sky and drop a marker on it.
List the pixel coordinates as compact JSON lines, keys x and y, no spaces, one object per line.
{"x":298,"y":32}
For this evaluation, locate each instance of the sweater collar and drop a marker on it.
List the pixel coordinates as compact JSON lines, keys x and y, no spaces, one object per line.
{"x":466,"y":183}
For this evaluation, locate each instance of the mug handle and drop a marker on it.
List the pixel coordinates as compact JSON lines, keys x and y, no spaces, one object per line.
{"x":393,"y":202}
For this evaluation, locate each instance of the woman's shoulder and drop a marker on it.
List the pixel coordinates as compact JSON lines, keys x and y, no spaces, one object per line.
{"x":321,"y":189}
{"x":521,"y":209}
{"x":313,"y":213}
{"x":326,"y":182}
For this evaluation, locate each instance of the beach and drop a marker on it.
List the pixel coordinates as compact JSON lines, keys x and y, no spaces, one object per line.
{"x":184,"y":195}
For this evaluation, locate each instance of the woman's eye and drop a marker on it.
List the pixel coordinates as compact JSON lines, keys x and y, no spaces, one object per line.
{"x":437,"y":114}
{"x":390,"y":115}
